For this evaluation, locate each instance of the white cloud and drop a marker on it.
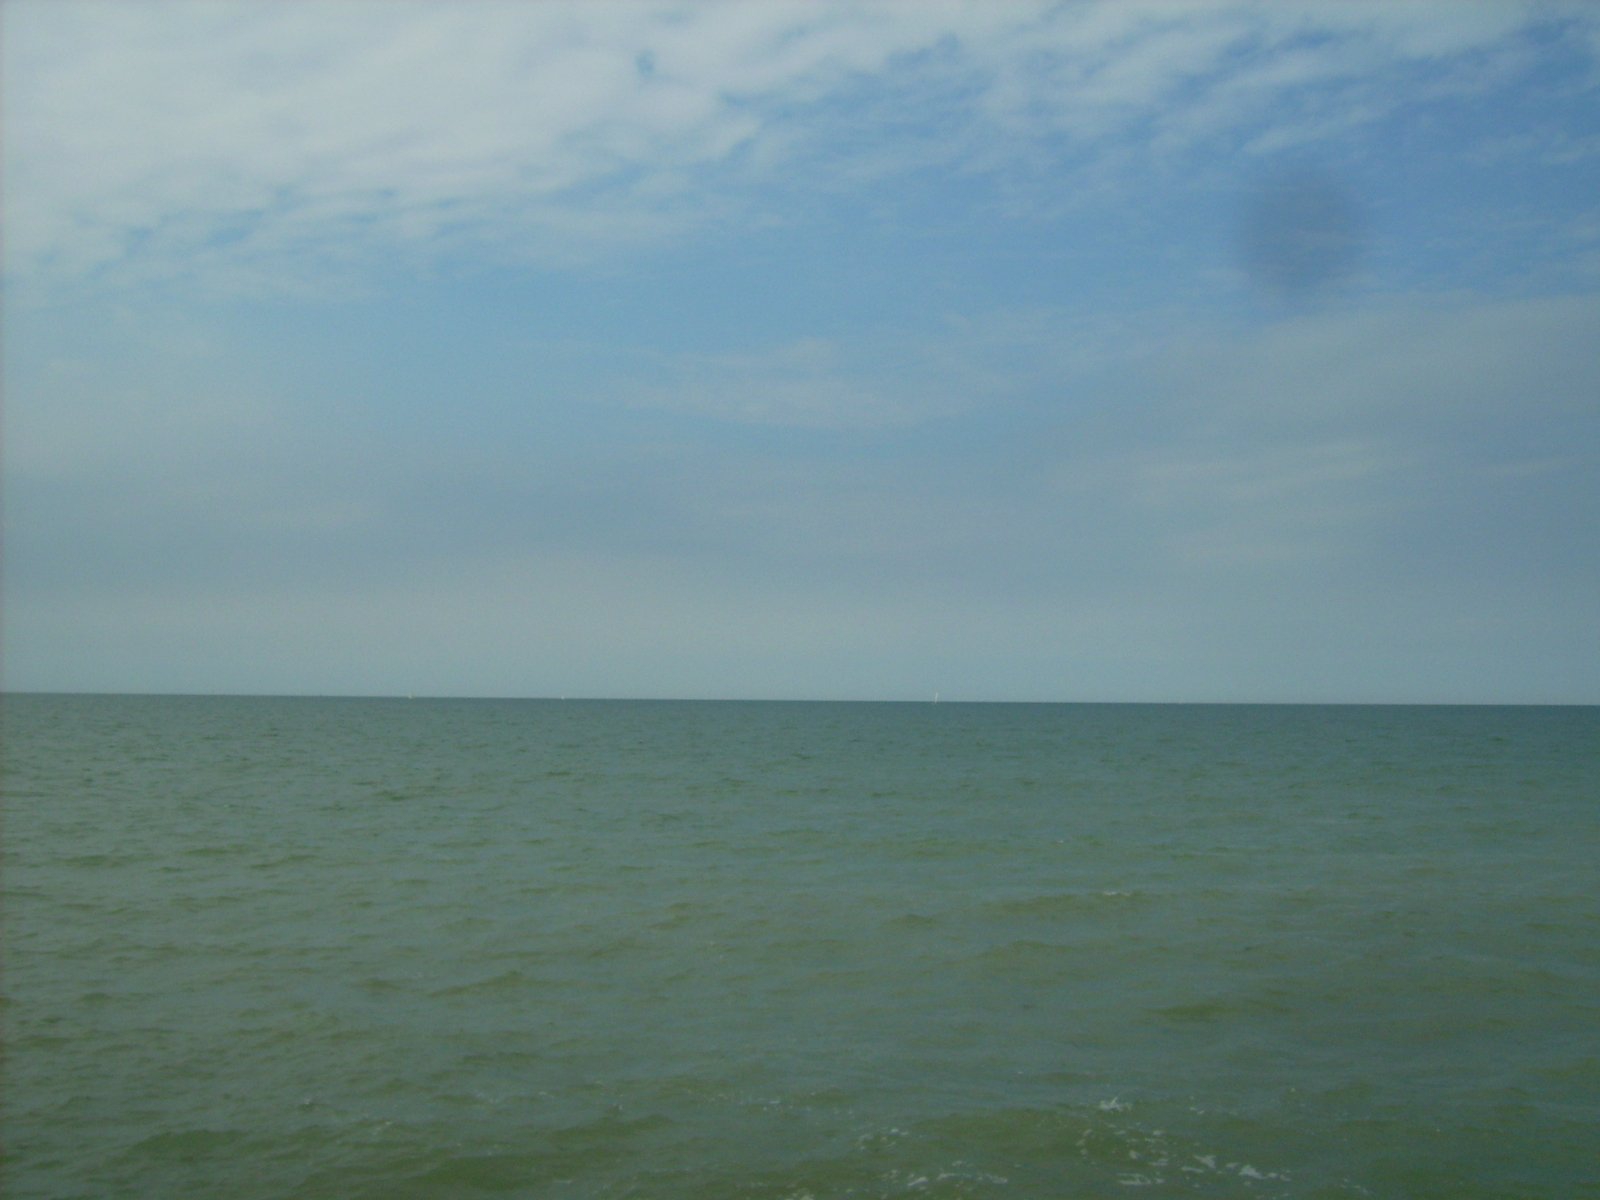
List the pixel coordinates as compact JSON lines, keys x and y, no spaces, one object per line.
{"x":163,"y":138}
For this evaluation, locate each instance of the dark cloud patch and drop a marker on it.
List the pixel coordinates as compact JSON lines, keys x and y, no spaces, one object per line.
{"x":1300,"y":233}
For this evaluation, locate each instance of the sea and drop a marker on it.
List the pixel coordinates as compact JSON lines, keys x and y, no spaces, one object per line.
{"x":374,"y":949}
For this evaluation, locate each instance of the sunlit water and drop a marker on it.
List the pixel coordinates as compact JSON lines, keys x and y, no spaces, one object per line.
{"x":386,"y":949}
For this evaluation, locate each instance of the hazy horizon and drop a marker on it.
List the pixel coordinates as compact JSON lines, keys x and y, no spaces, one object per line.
{"x":1122,"y":353}
{"x":580,"y":699}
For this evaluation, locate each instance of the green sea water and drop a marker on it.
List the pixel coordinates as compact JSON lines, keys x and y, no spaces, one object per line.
{"x":259,"y":947}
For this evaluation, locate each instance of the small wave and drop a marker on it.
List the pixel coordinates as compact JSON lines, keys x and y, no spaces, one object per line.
{"x":1062,"y":903}
{"x":473,"y":1173}
{"x":1031,"y":959}
{"x":97,"y":860}
{"x":1220,"y":1008}
{"x":227,"y":851}
{"x":505,"y":981}
{"x":1109,"y":1145}
{"x":291,"y":859}
{"x":676,"y":915}
{"x":395,"y":794}
{"x":911,"y":920}
{"x":186,"y":1144}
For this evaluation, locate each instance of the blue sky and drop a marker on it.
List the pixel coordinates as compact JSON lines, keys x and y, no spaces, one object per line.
{"x":1012,"y":351}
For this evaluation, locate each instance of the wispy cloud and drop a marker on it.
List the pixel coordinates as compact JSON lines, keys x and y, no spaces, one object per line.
{"x":254,"y":142}
{"x":800,"y":348}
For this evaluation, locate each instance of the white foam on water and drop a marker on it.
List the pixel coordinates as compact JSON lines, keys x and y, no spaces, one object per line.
{"x":1246,"y":1171}
{"x":917,"y":1183}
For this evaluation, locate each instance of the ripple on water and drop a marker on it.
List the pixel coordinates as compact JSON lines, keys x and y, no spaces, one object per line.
{"x":356,"y":949}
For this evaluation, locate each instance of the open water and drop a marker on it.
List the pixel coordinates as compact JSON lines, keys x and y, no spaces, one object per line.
{"x":383,"y":949}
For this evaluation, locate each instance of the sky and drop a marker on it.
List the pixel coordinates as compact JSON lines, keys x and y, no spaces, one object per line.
{"x":1005,"y":351}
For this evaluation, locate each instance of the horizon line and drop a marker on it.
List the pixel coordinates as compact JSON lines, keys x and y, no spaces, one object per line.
{"x":932,"y":699}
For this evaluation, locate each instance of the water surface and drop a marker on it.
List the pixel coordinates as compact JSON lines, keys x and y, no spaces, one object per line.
{"x":261,"y":947}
